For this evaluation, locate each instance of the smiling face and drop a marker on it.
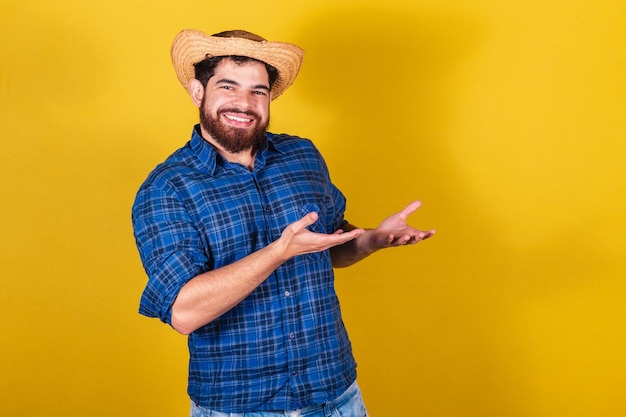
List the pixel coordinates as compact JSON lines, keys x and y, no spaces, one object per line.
{"x":234,"y":106}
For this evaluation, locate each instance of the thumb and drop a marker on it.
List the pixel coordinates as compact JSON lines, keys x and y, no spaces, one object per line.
{"x":410,"y":208}
{"x":307,"y":220}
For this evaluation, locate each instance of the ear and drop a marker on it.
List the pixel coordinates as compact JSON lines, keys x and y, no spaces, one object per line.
{"x":196,"y":91}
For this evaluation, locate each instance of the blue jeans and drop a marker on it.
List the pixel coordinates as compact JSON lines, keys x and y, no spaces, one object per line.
{"x":348,"y":404}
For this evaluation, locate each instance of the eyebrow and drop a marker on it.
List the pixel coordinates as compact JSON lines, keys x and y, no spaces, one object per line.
{"x":236,"y":84}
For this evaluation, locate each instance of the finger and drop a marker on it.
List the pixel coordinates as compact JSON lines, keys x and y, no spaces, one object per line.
{"x":352,"y":234}
{"x":308,"y":219}
{"x":400,"y":241}
{"x":428,"y":234}
{"x":336,"y":239}
{"x":421,"y":236}
{"x":404,"y":240}
{"x":304,"y":222}
{"x":410,"y":208}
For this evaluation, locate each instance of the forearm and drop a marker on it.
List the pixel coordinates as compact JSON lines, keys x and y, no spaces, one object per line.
{"x":352,"y":251}
{"x":213,"y":293}
{"x":209,"y":295}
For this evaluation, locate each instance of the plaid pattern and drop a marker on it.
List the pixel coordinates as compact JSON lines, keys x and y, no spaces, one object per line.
{"x":285,"y":346}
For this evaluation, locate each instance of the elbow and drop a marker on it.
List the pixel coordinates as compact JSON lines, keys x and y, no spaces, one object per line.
{"x":183,"y":331}
{"x":183,"y":322}
{"x":186,"y":322}
{"x":183,"y":319}
{"x":181,"y":326}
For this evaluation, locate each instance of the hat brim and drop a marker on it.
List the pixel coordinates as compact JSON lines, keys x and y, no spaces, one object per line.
{"x":192,"y":46}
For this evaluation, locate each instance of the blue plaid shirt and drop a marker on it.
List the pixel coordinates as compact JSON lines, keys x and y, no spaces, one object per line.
{"x":285,"y":346}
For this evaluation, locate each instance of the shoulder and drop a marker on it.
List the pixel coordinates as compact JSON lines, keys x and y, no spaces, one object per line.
{"x":178,"y":164}
{"x":297,"y":153}
{"x":293,"y":145}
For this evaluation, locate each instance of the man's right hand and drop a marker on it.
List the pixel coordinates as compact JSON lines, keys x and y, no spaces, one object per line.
{"x":296,"y":239}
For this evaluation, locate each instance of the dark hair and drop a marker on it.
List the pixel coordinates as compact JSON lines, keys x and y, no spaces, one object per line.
{"x":205,"y":69}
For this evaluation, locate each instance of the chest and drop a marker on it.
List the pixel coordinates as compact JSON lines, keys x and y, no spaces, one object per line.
{"x":240,"y":211}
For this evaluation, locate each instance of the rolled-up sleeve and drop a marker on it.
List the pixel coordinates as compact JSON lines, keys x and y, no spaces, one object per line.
{"x":169,"y":246}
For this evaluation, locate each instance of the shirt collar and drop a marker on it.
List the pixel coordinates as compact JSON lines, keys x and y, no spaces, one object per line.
{"x":272,"y":143}
{"x":210,"y":159}
{"x":203,"y":150}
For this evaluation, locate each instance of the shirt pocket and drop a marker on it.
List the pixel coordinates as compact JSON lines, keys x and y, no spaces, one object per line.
{"x":307,"y":208}
{"x":317,"y":227}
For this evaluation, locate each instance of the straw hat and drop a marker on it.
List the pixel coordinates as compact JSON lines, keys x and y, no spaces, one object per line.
{"x":192,"y":46}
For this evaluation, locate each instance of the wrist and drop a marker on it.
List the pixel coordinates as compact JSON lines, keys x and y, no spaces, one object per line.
{"x":366,"y":243}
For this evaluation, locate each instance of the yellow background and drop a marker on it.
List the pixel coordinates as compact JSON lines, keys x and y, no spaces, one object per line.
{"x":506,"y":118}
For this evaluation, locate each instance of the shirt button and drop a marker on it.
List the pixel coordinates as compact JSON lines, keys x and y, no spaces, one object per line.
{"x":268,"y":209}
{"x":287,"y":293}
{"x":292,"y":335}
{"x":294,"y":373}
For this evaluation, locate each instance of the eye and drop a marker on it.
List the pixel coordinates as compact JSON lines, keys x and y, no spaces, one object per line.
{"x":259,"y":93}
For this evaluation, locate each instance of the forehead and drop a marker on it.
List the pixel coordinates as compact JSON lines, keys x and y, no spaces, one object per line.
{"x":250,"y":70}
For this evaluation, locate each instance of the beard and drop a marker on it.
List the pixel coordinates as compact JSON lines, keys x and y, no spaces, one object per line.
{"x":232,"y":139}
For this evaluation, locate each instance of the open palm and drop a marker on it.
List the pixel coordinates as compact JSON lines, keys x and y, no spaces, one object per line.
{"x":394,"y":231}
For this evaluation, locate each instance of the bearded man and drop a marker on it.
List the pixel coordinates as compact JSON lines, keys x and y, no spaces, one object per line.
{"x":239,"y":231}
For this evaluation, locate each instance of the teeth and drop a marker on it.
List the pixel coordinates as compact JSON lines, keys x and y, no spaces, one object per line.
{"x":238,"y":119}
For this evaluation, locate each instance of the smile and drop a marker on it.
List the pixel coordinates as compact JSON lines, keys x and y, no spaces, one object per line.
{"x":237,"y":118}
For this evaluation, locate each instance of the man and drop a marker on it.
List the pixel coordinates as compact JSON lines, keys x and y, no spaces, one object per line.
{"x":239,"y":231}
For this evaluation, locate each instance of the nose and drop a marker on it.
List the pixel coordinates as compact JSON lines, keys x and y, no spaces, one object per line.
{"x":242,"y":100}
